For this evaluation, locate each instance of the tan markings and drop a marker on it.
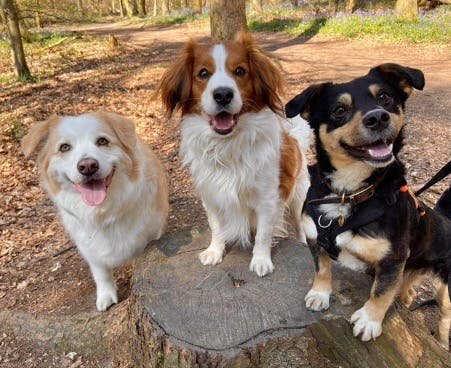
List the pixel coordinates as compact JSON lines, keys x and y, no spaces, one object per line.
{"x":444,"y":323}
{"x":350,"y":177}
{"x":410,"y":279}
{"x":323,"y":278}
{"x":370,"y":250}
{"x":345,"y":98}
{"x":377,"y":306}
{"x":290,"y":164}
{"x":374,"y":89}
{"x":41,"y":138}
{"x":408,"y":89}
{"x":124,"y":130}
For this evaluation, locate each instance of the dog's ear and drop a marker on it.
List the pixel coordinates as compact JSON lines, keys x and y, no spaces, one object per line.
{"x":301,"y":103}
{"x":175,"y":85}
{"x":124,"y":129}
{"x":403,"y":78}
{"x":268,"y":81}
{"x":37,"y":136}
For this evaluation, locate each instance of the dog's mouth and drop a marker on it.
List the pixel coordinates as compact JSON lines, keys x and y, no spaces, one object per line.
{"x":380,"y":150}
{"x":223,"y":123}
{"x":93,"y":191}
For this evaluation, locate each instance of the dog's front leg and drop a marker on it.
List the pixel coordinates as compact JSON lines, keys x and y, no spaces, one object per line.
{"x":317,"y":298}
{"x":368,"y":319}
{"x":213,"y":254}
{"x":106,"y":288}
{"x":266,"y":213}
{"x":442,"y":333}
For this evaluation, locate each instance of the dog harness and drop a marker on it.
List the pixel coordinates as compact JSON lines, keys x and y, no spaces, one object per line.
{"x":367,"y":205}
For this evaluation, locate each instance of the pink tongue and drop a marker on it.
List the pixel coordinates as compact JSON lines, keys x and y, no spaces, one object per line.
{"x":380,"y":150}
{"x":92,"y":192}
{"x":223,"y":121}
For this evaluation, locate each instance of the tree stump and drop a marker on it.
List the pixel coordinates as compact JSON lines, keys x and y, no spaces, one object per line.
{"x":183,"y":314}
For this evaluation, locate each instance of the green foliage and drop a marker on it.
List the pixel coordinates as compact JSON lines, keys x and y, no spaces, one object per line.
{"x":167,"y":19}
{"x":435,"y":27}
{"x":16,"y":130}
{"x":45,"y":38}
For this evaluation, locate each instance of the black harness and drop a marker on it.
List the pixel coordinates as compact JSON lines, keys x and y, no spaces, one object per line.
{"x":362,"y":213}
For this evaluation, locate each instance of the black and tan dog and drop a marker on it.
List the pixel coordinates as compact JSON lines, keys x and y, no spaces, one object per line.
{"x":359,"y":210}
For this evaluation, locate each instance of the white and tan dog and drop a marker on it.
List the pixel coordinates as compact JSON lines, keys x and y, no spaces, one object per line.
{"x":109,"y":187}
{"x":247,"y":162}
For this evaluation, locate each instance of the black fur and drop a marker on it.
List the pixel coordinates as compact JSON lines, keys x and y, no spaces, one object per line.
{"x":419,"y":242}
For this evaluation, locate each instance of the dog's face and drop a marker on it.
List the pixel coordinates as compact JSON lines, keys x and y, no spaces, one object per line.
{"x":221,"y":82}
{"x":82,"y":153}
{"x":360,"y":120}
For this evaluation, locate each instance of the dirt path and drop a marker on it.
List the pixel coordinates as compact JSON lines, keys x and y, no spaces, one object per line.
{"x":39,"y":275}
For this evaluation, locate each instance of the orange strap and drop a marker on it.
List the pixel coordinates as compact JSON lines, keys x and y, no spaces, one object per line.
{"x":405,"y":189}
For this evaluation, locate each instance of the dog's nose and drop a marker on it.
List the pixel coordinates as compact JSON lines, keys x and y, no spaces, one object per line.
{"x":223,"y":95}
{"x":88,"y":166}
{"x":377,"y":119}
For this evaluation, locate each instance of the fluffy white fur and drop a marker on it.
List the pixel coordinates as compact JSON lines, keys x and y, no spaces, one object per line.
{"x":109,"y":234}
{"x":238,"y":180}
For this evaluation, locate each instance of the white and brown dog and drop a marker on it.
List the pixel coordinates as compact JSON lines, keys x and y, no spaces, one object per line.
{"x":247,"y":162}
{"x":109,"y":187}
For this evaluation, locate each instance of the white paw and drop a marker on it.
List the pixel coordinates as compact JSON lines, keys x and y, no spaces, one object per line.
{"x":363,"y":324}
{"x":261,"y":265}
{"x":105,"y":298}
{"x":210,"y":257}
{"x":317,"y":300}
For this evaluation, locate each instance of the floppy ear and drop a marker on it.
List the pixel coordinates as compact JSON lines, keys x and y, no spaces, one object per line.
{"x":268,"y":81}
{"x":402,"y":78}
{"x":123,"y":127}
{"x":175,"y":85}
{"x":301,"y":103}
{"x":37,"y":135}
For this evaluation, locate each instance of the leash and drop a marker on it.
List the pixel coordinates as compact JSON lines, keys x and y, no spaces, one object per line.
{"x":442,"y":174}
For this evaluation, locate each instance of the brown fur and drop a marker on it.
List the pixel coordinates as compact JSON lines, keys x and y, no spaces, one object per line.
{"x":290,"y":164}
{"x":323,"y":277}
{"x":181,"y":87}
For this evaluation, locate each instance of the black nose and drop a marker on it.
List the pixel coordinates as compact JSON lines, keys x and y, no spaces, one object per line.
{"x":88,"y":166}
{"x":223,"y":95}
{"x":377,"y":119}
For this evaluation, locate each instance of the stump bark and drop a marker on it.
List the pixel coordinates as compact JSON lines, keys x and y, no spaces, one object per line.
{"x":183,"y":314}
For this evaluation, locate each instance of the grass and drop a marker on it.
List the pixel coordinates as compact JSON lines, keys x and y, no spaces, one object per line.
{"x":434,"y":27}
{"x":167,"y":19}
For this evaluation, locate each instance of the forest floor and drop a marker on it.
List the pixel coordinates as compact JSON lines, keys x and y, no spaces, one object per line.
{"x":40,"y":272}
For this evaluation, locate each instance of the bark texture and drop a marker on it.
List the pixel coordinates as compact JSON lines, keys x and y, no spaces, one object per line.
{"x":227,"y":18}
{"x":9,"y":13}
{"x":407,"y":9}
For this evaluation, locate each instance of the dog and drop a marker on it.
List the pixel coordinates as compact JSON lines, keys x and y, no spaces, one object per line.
{"x":247,"y":162}
{"x":359,"y":210}
{"x":109,"y":187}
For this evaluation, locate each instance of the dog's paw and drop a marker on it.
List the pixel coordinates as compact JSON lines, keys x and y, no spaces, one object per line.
{"x":106,"y":298}
{"x":317,"y":300}
{"x":363,"y":324}
{"x":210,"y":257}
{"x":406,"y":297}
{"x":261,"y":265}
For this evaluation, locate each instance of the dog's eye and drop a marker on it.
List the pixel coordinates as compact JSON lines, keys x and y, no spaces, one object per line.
{"x":203,"y":73}
{"x":102,"y":141}
{"x":239,"y":71}
{"x":384,"y":99}
{"x":65,"y":147}
{"x":340,"y":111}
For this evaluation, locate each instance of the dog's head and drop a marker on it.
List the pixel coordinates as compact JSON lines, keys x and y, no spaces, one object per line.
{"x":83,"y":153}
{"x":222,"y":81}
{"x":360,"y":120}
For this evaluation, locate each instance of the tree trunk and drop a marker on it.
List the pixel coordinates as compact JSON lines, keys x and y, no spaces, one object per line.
{"x":406,"y":9}
{"x":227,"y":17}
{"x":130,"y":6}
{"x":155,"y":8}
{"x":198,"y":6}
{"x":122,"y":8}
{"x":350,"y":6}
{"x":165,"y":7}
{"x":113,"y":6}
{"x":141,"y":5}
{"x":181,"y":314}
{"x":257,"y":5}
{"x":333,"y":5}
{"x":37,"y":17}
{"x":12,"y":23}
{"x":81,"y":10}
